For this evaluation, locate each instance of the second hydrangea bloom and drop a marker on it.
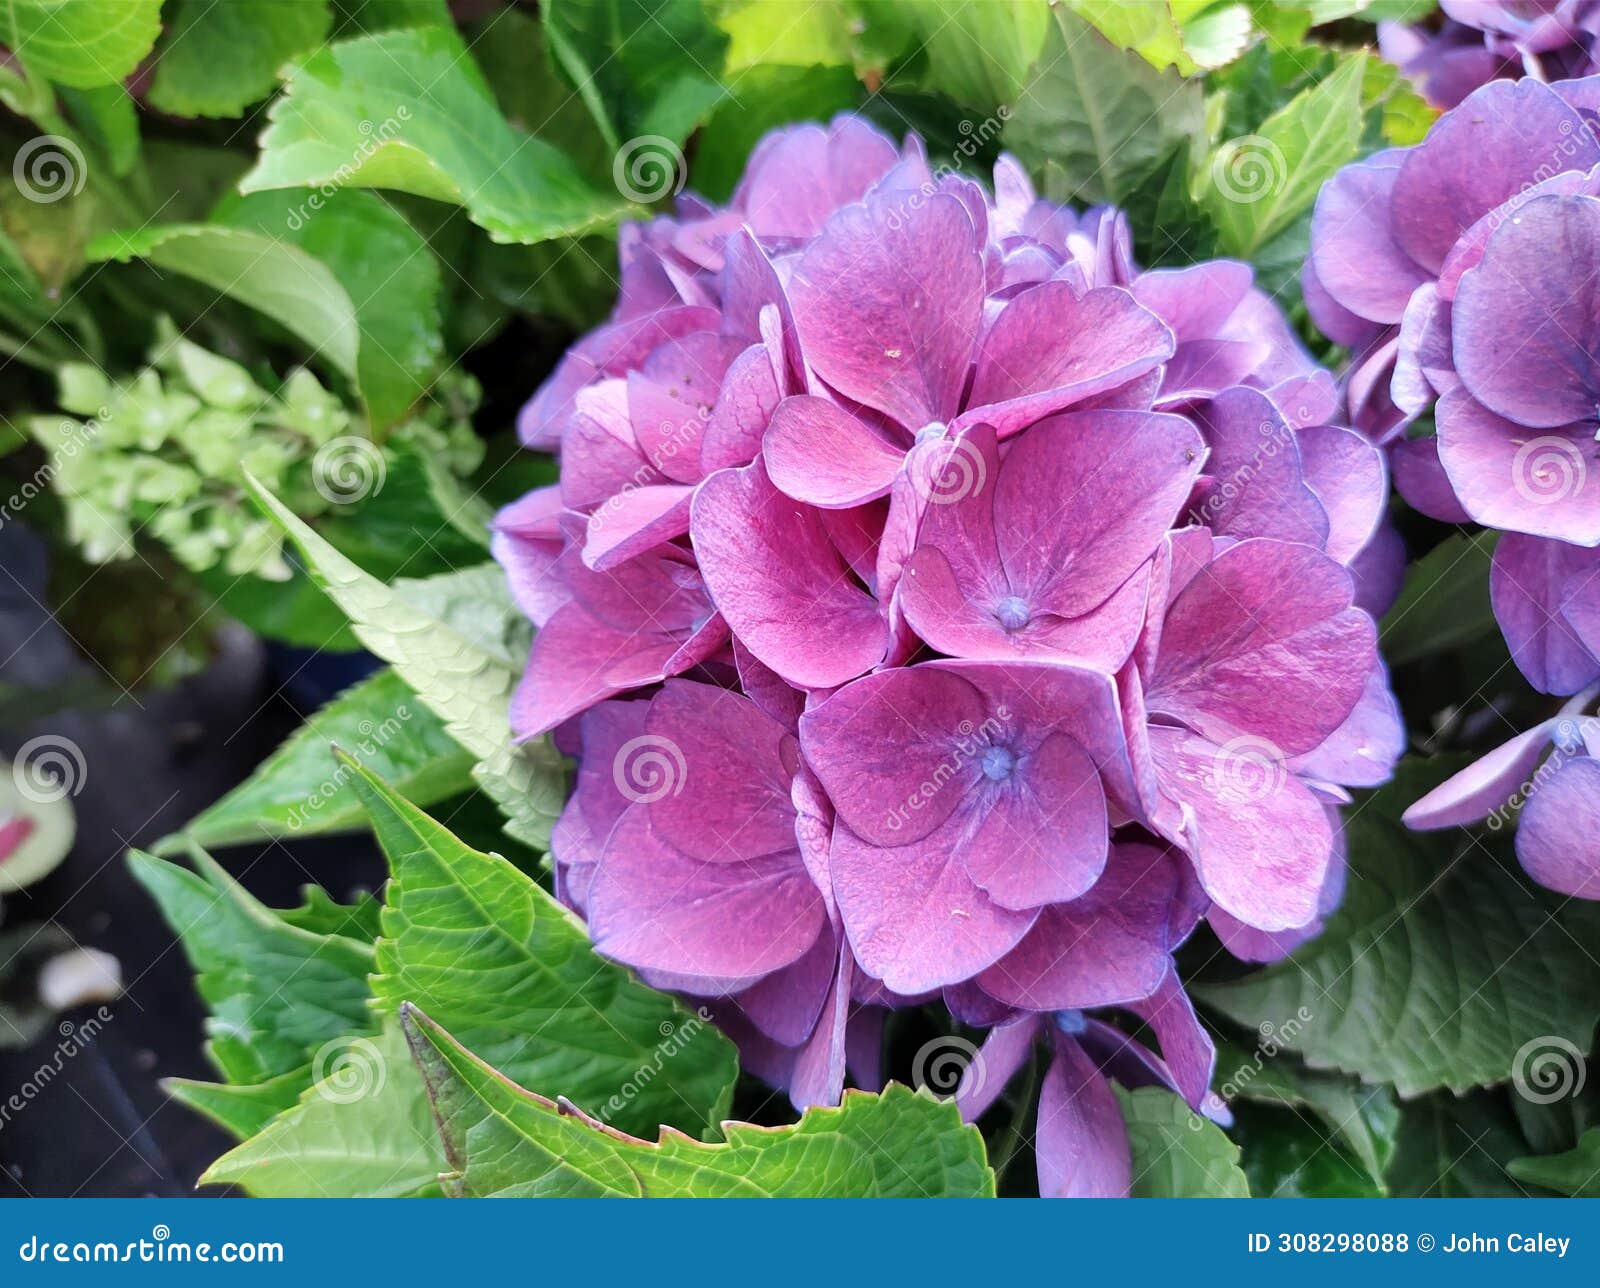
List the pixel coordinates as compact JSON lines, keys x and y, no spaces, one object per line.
{"x":1018,"y":603}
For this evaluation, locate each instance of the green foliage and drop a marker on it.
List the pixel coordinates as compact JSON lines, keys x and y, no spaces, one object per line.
{"x":1444,"y":603}
{"x":80,"y":43}
{"x":1576,"y":1172}
{"x":409,"y":110}
{"x":1176,"y":1153}
{"x":218,"y":58}
{"x":1439,"y":964}
{"x":503,"y":1141}
{"x":299,"y":791}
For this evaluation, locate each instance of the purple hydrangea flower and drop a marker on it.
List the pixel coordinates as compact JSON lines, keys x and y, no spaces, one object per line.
{"x":1456,"y":267}
{"x":1548,"y":781}
{"x":922,"y":583}
{"x":1484,"y":40}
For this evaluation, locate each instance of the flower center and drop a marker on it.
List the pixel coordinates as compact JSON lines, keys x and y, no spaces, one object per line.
{"x":1012,"y":613}
{"x":1071,"y":1023}
{"x":932,"y":431}
{"x":997,"y":763}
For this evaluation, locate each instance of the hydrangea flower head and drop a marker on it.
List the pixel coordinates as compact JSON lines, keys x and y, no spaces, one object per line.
{"x":1484,"y":40}
{"x":940,"y":607}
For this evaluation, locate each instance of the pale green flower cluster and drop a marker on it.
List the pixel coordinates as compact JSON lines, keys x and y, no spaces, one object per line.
{"x":164,"y":454}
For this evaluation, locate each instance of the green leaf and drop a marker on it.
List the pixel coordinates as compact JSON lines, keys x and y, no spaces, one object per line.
{"x":1152,"y":30}
{"x":642,"y":67}
{"x":1256,"y":186}
{"x":109,"y":121}
{"x":1575,"y":1173}
{"x":1439,"y":965}
{"x":300,"y":790}
{"x":467,"y":687}
{"x":218,"y":58}
{"x":270,"y":275}
{"x":1288,"y":1154}
{"x":322,"y":914}
{"x":364,"y":17}
{"x":276,"y":993}
{"x":1362,"y":1119}
{"x":977,"y":53}
{"x":774,"y":33}
{"x":1444,"y":602}
{"x":1456,"y":1147}
{"x":81,"y":43}
{"x":504,"y":1141}
{"x":385,"y":267}
{"x":409,"y":110}
{"x":1176,"y":1153}
{"x":241,"y":1110}
{"x":1095,"y":121}
{"x":361,"y":1131}
{"x":479,"y":943}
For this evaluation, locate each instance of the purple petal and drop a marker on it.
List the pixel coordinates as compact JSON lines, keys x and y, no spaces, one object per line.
{"x":817,"y":452}
{"x":1483,"y":786}
{"x":888,"y":301}
{"x":1346,"y":474}
{"x":1107,"y":948}
{"x":1186,"y":1047}
{"x":780,"y":584}
{"x":1264,"y":643}
{"x":1358,"y":261}
{"x":1049,"y":349}
{"x":1529,"y":582}
{"x":1478,"y":155}
{"x":1525,"y":329}
{"x":1260,"y":841}
{"x":1082,"y":1142}
{"x":1558,"y":831}
{"x":1008,"y":1047}
{"x":1419,"y":477}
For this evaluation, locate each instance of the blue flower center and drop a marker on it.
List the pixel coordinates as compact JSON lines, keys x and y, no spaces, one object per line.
{"x":932,"y":431}
{"x":1012,"y":612}
{"x":997,"y":763}
{"x":1071,"y":1023}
